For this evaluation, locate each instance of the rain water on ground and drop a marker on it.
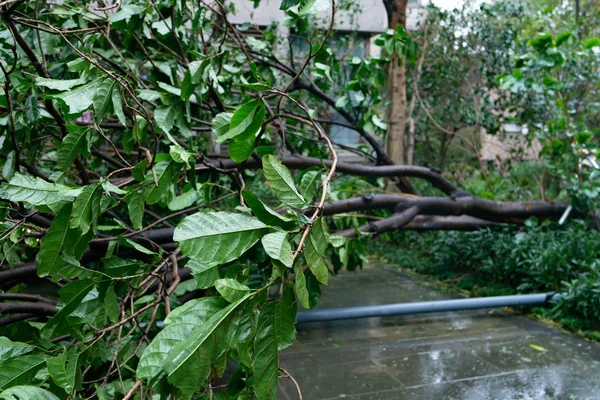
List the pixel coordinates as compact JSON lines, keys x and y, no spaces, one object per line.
{"x":484,"y":354}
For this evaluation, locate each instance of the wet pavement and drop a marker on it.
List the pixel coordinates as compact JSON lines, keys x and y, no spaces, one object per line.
{"x":480,"y":354}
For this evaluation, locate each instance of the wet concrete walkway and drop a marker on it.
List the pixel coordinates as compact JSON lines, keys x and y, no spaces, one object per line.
{"x":455,"y":355}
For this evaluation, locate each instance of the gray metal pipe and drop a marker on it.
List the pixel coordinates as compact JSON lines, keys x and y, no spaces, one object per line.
{"x":334,"y":314}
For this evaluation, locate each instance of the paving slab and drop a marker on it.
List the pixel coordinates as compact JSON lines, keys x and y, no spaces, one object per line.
{"x":481,"y":354}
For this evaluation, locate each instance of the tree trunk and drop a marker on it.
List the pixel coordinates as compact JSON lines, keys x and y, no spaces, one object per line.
{"x":397,"y":113}
{"x":396,"y":10}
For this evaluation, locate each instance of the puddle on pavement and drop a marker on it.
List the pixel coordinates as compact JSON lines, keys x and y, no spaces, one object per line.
{"x":484,"y":354}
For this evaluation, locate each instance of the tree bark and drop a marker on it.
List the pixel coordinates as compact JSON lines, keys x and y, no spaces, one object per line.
{"x":396,"y":87}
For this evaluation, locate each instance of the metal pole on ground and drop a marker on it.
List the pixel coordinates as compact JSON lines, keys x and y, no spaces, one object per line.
{"x":425,"y":307}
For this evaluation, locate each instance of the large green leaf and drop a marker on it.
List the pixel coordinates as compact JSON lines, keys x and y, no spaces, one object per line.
{"x":63,"y":369}
{"x":20,"y":370}
{"x":312,"y":7}
{"x":217,"y":237}
{"x":179,"y":326}
{"x":221,"y":123}
{"x":32,"y":109}
{"x":281,"y":182}
{"x":204,"y":274}
{"x":75,"y":143}
{"x":103,"y":99}
{"x":301,"y":290}
{"x":266,"y":214}
{"x":80,"y":98}
{"x":57,"y":84}
{"x":241,"y":148}
{"x":116,"y":266}
{"x":136,"y":204}
{"x":245,"y":122}
{"x":184,"y":200}
{"x":231,"y":290}
{"x":165,"y":117}
{"x":245,"y":332}
{"x":27,"y":393}
{"x":275,"y":332}
{"x":314,"y":249}
{"x":10,"y":349}
{"x":118,"y":106}
{"x":72,"y":298}
{"x":278,"y":247}
{"x":86,"y":208}
{"x":183,"y":351}
{"x":37,"y":192}
{"x":164,"y":176}
{"x":59,"y":238}
{"x":310,"y":184}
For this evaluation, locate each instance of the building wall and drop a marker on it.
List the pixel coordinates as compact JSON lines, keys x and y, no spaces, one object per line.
{"x":373,"y":17}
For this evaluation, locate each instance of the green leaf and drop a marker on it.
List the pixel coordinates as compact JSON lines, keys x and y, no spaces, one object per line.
{"x":103,"y":99}
{"x":86,"y":208}
{"x":10,"y":349}
{"x":164,"y":175}
{"x":204,"y":274}
{"x":310,"y":184}
{"x":131,"y":244}
{"x":181,"y":155}
{"x":71,"y":268}
{"x":110,"y":188}
{"x":592,"y":42}
{"x":75,"y":143}
{"x":20,"y":370}
{"x":179,"y":326}
{"x":287,"y":4}
{"x":27,"y":393}
{"x":116,"y":266}
{"x":561,"y":38}
{"x":126,"y":12}
{"x":184,"y":200}
{"x":57,"y":84}
{"x":136,"y":205}
{"x":32,"y":109}
{"x":181,"y":352}
{"x":245,"y":332}
{"x":75,"y":294}
{"x":314,"y":249}
{"x":217,"y":237}
{"x":37,"y":192}
{"x":9,"y":167}
{"x":118,"y":107}
{"x":281,"y":182}
{"x":301,"y":291}
{"x":245,"y":122}
{"x":275,"y":332}
{"x":278,"y":247}
{"x":240,"y":148}
{"x":165,"y":117}
{"x":221,"y":123}
{"x":538,"y":348}
{"x":79,"y":99}
{"x":312,"y":7}
{"x":266,"y":214}
{"x":63,"y":369}
{"x":231,"y":289}
{"x":57,"y":240}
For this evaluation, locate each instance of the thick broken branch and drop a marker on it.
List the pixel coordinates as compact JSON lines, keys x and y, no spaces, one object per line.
{"x":378,"y":171}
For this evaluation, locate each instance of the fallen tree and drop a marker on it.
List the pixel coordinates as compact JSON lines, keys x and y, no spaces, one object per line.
{"x":118,"y":213}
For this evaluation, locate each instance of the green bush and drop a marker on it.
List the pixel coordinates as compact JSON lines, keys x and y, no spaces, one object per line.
{"x":534,"y":258}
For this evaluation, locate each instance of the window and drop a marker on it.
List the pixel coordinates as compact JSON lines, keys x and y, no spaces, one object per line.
{"x":346,"y":45}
